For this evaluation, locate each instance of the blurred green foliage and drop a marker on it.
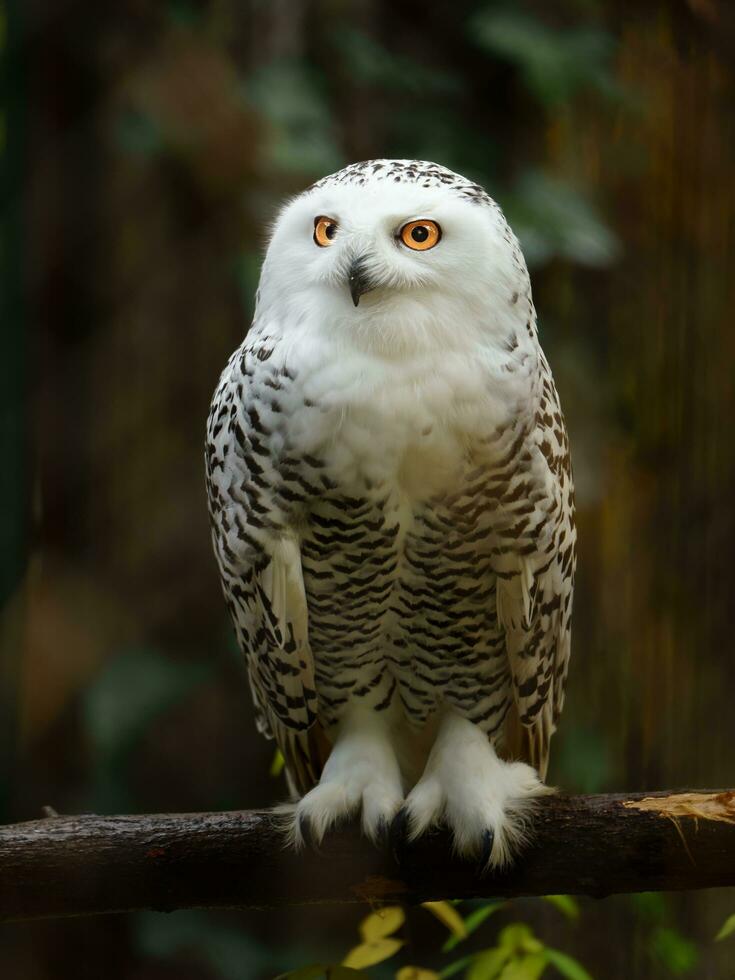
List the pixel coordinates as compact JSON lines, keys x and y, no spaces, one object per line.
{"x":225,"y":949}
{"x":373,"y":64}
{"x":302,"y":137}
{"x":121,"y":706}
{"x":666,"y":945}
{"x":553,"y":219}
{"x":555,"y":65}
{"x":138,"y":135}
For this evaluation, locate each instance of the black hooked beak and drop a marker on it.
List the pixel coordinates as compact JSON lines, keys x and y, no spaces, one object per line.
{"x":359,"y":280}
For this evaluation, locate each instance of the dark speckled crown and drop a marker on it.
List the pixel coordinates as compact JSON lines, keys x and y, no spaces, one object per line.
{"x":420,"y":172}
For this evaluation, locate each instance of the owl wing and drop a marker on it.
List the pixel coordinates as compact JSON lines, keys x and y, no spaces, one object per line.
{"x":259,"y":557}
{"x":535,"y":562}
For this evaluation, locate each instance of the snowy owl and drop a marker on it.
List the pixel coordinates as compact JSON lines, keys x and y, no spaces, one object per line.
{"x":391,"y":501}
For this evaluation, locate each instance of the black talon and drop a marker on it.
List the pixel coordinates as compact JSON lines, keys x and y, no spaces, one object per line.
{"x":382,"y":832}
{"x":398,"y":832}
{"x":487,"y":847}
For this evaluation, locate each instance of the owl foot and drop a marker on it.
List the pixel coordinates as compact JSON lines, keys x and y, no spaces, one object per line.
{"x":361,"y":774}
{"x":487,"y":804}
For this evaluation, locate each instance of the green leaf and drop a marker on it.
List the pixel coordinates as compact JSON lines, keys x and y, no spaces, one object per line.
{"x":528,"y":968}
{"x":676,"y":952}
{"x":488,"y":964}
{"x":472,"y":922}
{"x":566,"y":965}
{"x":650,"y":905}
{"x":514,"y":935}
{"x":567,"y":905}
{"x":728,"y":928}
{"x":455,"y":968}
{"x":517,"y":937}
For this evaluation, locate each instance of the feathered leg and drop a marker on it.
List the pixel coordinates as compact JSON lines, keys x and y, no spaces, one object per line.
{"x":486,"y":803}
{"x":361,"y":773}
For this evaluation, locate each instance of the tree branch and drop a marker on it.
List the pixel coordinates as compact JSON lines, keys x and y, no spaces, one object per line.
{"x":590,"y":845}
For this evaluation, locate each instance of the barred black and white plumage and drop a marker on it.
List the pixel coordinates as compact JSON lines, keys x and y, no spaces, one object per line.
{"x":392,"y":509}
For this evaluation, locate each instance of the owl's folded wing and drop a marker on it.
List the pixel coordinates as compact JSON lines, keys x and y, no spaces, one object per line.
{"x":259,"y":557}
{"x":268,"y":608}
{"x":534,"y":594}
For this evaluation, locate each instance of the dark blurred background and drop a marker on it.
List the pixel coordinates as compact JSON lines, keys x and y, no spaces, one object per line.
{"x":144,"y":148}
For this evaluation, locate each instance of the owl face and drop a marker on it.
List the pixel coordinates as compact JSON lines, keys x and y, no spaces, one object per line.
{"x":391,"y":256}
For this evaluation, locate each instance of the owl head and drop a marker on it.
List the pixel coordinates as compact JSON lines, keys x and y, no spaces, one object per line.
{"x":396,"y":256}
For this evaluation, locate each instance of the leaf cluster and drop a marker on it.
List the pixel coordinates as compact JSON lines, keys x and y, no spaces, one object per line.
{"x":518,"y":954}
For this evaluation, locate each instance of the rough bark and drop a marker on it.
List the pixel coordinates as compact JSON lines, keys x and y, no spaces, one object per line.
{"x":590,"y":845}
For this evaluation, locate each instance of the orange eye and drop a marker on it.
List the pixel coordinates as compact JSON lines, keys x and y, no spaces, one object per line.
{"x":420,"y":235}
{"x":324,"y":230}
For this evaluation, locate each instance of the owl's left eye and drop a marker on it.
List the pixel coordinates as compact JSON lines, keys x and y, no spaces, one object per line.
{"x":420,"y":235}
{"x":324,"y":230}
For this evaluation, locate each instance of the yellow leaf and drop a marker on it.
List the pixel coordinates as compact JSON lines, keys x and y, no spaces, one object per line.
{"x":528,"y":968}
{"x":416,"y":973}
{"x":517,"y":937}
{"x":277,"y":764}
{"x":368,"y":954}
{"x":448,"y":916}
{"x":488,"y":964}
{"x":728,"y":928}
{"x":566,"y":905}
{"x":382,"y":923}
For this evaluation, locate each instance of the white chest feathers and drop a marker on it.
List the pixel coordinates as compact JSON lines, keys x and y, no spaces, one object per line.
{"x":408,"y":426}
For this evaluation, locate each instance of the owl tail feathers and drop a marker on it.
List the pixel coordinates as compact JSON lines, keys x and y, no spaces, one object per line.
{"x":305,"y":754}
{"x":528,"y":743}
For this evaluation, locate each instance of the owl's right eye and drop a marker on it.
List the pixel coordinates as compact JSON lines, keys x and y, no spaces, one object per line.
{"x":324,"y":230}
